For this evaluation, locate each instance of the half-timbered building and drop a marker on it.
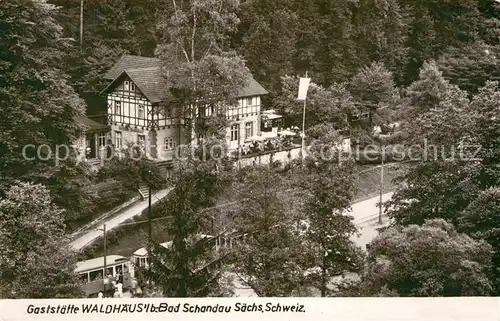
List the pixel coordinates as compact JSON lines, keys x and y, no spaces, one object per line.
{"x":136,"y":114}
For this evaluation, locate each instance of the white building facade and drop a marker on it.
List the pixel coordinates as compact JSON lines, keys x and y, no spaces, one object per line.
{"x":136,"y":114}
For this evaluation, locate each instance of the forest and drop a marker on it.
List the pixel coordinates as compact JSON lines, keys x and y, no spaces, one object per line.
{"x":429,"y":65}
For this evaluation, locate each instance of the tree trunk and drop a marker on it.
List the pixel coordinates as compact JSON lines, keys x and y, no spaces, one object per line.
{"x":323,"y":278}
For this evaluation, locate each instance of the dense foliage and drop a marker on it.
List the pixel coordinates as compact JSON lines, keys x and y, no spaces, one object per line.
{"x":269,"y":258}
{"x":442,"y":54}
{"x":189,"y":267}
{"x":36,"y":260}
{"x":329,"y":189}
{"x":428,"y":260}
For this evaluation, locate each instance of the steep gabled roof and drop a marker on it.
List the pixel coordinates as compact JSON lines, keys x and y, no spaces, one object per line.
{"x":91,"y":125}
{"x":149,"y":81}
{"x":253,"y":88}
{"x":130,"y":62}
{"x":145,"y":72}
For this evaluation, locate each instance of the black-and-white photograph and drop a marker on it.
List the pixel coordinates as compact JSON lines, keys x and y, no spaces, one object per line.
{"x":249,"y":148}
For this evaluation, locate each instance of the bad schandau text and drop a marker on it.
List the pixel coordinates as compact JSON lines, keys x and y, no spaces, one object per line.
{"x":99,"y":308}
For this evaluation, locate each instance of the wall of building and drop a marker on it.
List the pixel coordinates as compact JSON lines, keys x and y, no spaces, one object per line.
{"x":131,"y":101}
{"x":242,"y":131}
{"x":131,"y":125}
{"x":247,"y":110}
{"x":162,"y":134}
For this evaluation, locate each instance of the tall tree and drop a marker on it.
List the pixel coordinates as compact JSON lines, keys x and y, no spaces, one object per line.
{"x":470,"y":66}
{"x":199,"y":68}
{"x":190,"y":267}
{"x":265,"y":25}
{"x":36,"y":260}
{"x":269,"y":258}
{"x":374,"y":91}
{"x":323,"y":105}
{"x":480,"y":220}
{"x":328,"y":193}
{"x":38,"y":104}
{"x":434,"y":26}
{"x":459,"y":156}
{"x":380,"y":32}
{"x":428,"y":260}
{"x":485,"y":109}
{"x":438,"y":125}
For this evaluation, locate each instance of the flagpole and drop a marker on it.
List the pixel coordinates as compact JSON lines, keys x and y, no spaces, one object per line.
{"x":81,"y":25}
{"x":303,"y":128}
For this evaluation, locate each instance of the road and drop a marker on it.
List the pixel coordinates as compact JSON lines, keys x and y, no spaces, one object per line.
{"x":112,"y":223}
{"x":365,"y":215}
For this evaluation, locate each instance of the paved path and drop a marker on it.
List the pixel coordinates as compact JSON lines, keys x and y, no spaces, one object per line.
{"x":366,"y":210}
{"x":366,"y":219}
{"x":132,"y":211}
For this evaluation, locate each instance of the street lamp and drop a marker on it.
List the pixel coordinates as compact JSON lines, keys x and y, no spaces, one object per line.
{"x":380,"y":210}
{"x":149,"y":207}
{"x":150,"y":228}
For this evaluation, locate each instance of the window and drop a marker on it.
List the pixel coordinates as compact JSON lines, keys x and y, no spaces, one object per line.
{"x":95,"y":275}
{"x":234,"y":132}
{"x":201,"y":112}
{"x":141,"y":140}
{"x":118,"y":107}
{"x":169,"y":143}
{"x":118,"y":139}
{"x":140,"y":111}
{"x":84,"y":277}
{"x":126,"y":85}
{"x":102,"y":139}
{"x":212,"y":110}
{"x":110,"y":271}
{"x":249,"y":129}
{"x":249,"y":101}
{"x":132,"y":86}
{"x":265,"y":124}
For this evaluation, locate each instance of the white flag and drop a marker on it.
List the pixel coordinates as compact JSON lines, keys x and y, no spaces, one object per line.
{"x":303,"y":87}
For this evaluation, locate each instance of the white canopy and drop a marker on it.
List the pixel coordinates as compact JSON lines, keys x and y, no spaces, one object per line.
{"x":143,"y":251}
{"x":286,"y":133}
{"x":274,"y":116}
{"x":271,"y":114}
{"x":256,"y":138}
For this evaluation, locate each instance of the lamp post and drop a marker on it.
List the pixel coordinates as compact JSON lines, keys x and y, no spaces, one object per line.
{"x":150,"y":227}
{"x":380,"y":210}
{"x":302,"y":143}
{"x":105,"y":277}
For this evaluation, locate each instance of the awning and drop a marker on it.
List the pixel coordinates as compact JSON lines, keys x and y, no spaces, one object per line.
{"x":271,"y":114}
{"x":91,"y":126}
{"x":274,"y":116}
{"x":269,"y":136}
{"x":286,"y":133}
{"x":255,"y":139}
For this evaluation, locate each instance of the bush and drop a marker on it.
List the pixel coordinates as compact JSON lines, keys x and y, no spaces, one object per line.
{"x":112,"y":193}
{"x":132,"y":173}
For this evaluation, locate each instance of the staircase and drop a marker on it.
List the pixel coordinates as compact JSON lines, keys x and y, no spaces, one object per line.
{"x":143,"y":191}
